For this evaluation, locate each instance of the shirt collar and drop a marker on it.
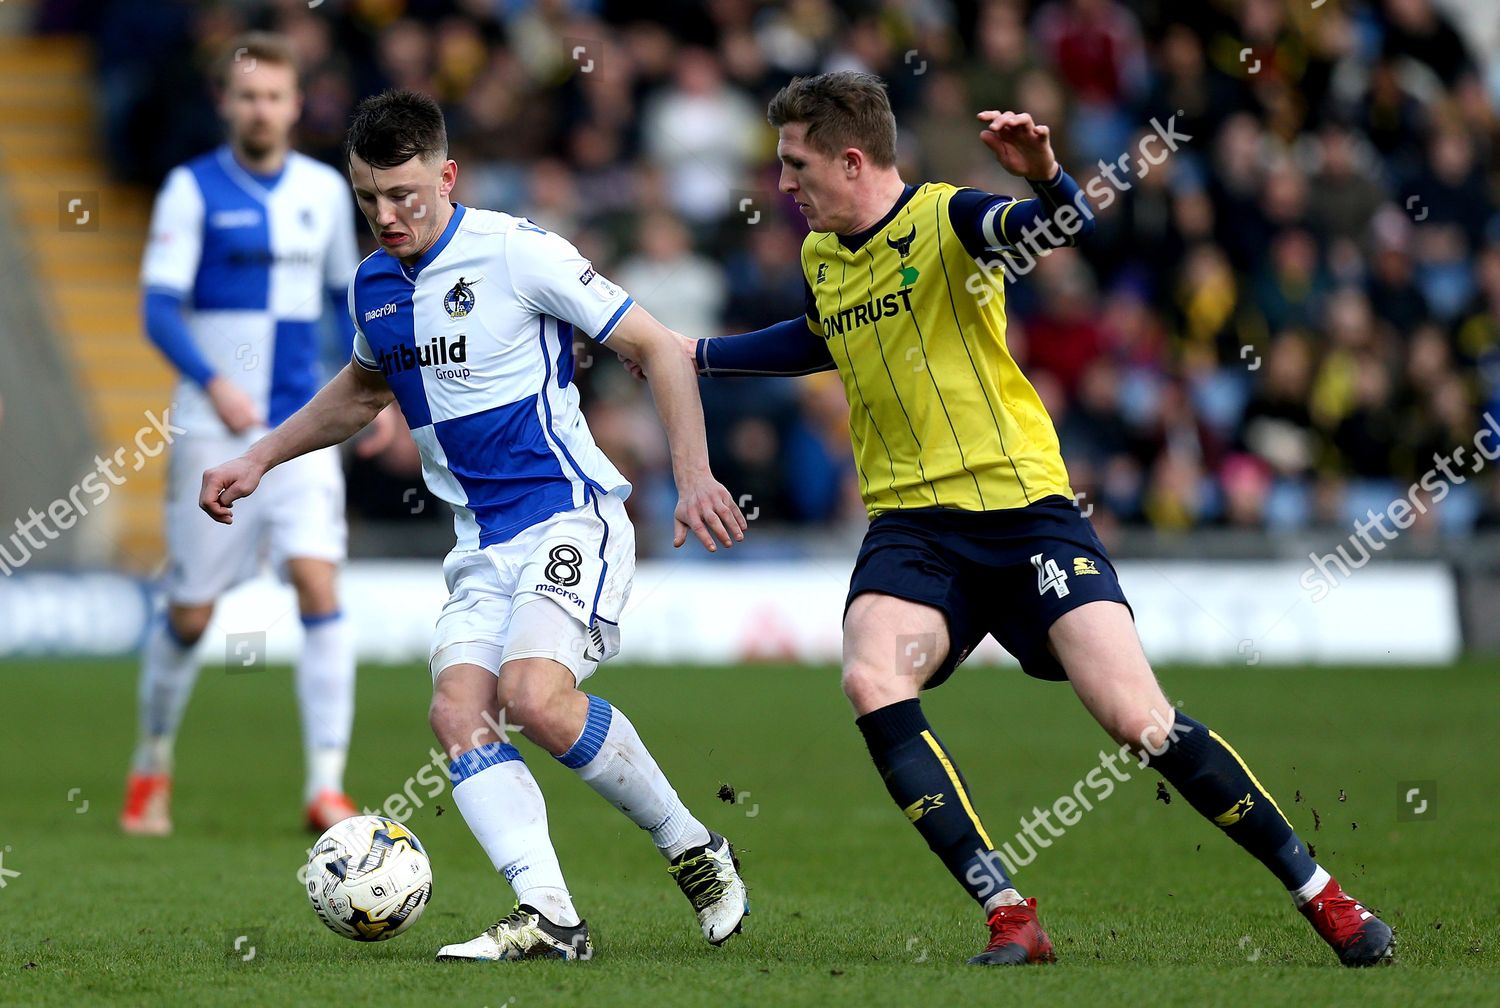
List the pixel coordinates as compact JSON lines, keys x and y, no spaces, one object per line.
{"x":442,"y":242}
{"x":856,"y":240}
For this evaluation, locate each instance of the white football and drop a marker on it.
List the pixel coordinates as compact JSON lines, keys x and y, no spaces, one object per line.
{"x":368,"y":878}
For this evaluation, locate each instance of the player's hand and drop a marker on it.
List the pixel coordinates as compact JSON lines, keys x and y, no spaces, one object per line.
{"x":233,"y":404}
{"x":705,"y":508}
{"x":1021,"y":146}
{"x":226,"y":483}
{"x":689,"y":347}
{"x":380,"y":434}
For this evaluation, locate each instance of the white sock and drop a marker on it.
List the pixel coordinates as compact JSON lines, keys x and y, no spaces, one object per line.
{"x":1005,"y":897}
{"x":325,"y":770}
{"x":168,"y":671}
{"x":500,"y":800}
{"x":1311,"y":887}
{"x":325,"y":696}
{"x":611,"y":758}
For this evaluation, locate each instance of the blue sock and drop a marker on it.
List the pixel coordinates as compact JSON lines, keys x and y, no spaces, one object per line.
{"x":1216,"y":782}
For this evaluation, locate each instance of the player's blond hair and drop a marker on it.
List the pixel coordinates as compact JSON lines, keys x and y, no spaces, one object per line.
{"x":251,"y":49}
{"x":841,"y":110}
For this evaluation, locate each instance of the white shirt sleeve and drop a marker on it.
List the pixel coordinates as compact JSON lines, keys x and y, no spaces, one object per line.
{"x":342,"y":257}
{"x":363,"y":355}
{"x":551,"y":277}
{"x":176,"y":239}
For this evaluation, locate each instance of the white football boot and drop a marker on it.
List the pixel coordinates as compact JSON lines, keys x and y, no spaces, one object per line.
{"x":709,"y":877}
{"x":523,"y":934}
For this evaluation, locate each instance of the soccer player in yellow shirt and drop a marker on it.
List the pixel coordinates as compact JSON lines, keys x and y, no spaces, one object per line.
{"x":973,"y":526}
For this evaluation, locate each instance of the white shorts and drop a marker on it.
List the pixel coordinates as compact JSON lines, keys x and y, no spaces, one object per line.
{"x":296,"y":512}
{"x":554,"y":591}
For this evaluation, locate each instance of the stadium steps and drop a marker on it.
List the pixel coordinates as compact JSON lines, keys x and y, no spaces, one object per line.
{"x":86,"y":279}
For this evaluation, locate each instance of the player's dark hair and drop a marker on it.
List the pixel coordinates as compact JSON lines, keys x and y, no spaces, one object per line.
{"x":393,"y":127}
{"x":250,"y":49}
{"x":841,"y":110}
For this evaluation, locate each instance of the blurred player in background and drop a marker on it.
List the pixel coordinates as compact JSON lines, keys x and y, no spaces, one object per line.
{"x":249,"y":245}
{"x":974,"y":529}
{"x":466,"y":317}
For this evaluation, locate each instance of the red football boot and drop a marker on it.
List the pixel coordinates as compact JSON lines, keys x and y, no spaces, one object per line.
{"x":147,"y":809}
{"x":327,"y":808}
{"x":1357,"y":935}
{"x":1015,"y":938}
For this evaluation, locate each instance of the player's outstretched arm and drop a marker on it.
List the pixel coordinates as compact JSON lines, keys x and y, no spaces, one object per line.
{"x":1060,"y":215}
{"x":340,"y":410}
{"x":703,"y":505}
{"x":1021,"y":146}
{"x":785,"y":350}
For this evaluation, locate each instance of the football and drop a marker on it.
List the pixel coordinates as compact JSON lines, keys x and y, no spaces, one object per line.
{"x":368,"y":878}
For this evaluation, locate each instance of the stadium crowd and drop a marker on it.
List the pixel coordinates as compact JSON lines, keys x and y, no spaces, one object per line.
{"x":1276,"y":326}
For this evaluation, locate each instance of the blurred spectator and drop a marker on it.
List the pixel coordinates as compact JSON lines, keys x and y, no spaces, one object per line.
{"x":683,"y":289}
{"x":1416,"y":29}
{"x":701,"y":132}
{"x":1096,"y":49}
{"x":1347,"y":185}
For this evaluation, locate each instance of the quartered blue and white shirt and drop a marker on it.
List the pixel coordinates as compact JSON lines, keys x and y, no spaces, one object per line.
{"x":476,"y":341}
{"x":238,"y":273}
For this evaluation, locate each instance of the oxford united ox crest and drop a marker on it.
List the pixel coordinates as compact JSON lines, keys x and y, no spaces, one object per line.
{"x":459,"y":301}
{"x":902,"y":247}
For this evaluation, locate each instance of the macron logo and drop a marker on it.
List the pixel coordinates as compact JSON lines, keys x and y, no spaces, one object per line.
{"x":381,"y":312}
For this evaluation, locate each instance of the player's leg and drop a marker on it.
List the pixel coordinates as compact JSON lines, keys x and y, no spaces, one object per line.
{"x":204,"y":560}
{"x":325,"y":689}
{"x":892,"y":647}
{"x":304,"y":500}
{"x":587,"y":734}
{"x":908,"y":622}
{"x":1098,"y":647}
{"x":562,"y":626}
{"x":169,"y":668}
{"x":492,"y":786}
{"x":495,"y":791}
{"x":593,"y":738}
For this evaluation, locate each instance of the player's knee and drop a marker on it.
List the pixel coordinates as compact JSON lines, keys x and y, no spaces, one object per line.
{"x":189,"y":623}
{"x":315,"y":585}
{"x":532,"y":694}
{"x":457,"y":718}
{"x":1140,"y":729}
{"x":869,"y":687}
{"x":443,"y":715}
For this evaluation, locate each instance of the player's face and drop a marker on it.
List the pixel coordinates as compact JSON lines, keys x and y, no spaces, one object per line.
{"x":404,"y":205}
{"x":260,"y":104}
{"x":818,"y":182}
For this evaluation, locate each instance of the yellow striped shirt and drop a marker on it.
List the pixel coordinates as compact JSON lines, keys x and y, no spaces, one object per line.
{"x":939,"y":412}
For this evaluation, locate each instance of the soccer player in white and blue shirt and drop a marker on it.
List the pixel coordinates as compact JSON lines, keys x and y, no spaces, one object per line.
{"x":466,"y":317}
{"x":250,"y":246}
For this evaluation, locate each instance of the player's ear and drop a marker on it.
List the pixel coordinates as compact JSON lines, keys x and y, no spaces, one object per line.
{"x":852,"y":161}
{"x":449,"y":178}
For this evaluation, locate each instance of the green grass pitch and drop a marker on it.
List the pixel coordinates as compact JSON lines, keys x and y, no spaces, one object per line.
{"x":1147,"y":904}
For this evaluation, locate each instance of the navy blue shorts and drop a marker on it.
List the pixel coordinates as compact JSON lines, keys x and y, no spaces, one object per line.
{"x":1008,"y":573}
